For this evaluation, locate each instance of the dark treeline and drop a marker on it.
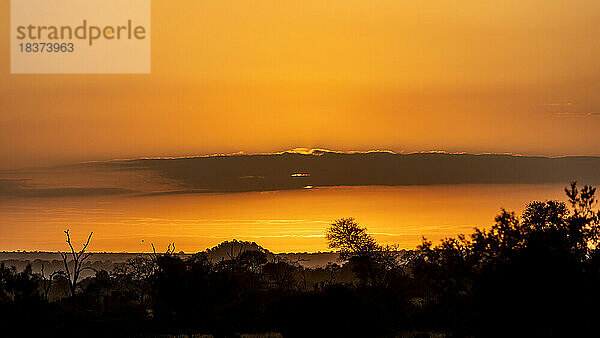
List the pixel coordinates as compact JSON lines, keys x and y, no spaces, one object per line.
{"x":536,"y":274}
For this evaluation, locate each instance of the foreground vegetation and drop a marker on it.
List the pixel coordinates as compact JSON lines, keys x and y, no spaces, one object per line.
{"x":531,"y":275}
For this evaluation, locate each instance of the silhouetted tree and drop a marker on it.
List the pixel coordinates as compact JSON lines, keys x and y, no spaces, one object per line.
{"x":371,"y":262}
{"x":18,"y":286}
{"x":537,"y":267}
{"x":47,"y":281}
{"x":350,"y":239}
{"x":282,"y":274}
{"x":78,"y":259}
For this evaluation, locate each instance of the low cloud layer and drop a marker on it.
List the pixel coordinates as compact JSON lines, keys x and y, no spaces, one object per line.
{"x":293,"y":170}
{"x":301,"y":170}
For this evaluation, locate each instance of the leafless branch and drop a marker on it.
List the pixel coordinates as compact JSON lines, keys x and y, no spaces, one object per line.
{"x":77,"y":259}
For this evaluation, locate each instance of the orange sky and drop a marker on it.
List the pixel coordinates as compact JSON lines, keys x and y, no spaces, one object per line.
{"x":258,"y":76}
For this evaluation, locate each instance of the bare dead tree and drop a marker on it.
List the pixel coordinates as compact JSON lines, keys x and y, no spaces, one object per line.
{"x":170,"y":250}
{"x":78,"y":259}
{"x":47,"y":284}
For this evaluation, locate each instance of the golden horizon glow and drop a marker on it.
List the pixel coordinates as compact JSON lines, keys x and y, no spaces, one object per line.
{"x":281,"y":221}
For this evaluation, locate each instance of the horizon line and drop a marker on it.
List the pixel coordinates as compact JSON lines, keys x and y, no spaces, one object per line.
{"x":323,"y":151}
